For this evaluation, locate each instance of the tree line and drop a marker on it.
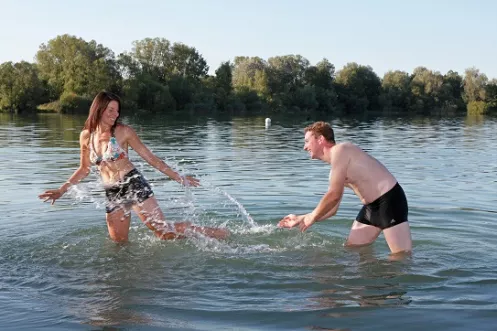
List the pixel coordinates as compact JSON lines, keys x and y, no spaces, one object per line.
{"x":159,"y":76}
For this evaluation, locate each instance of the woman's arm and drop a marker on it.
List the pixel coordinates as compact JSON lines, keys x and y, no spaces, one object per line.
{"x":142,"y":150}
{"x":78,"y":175}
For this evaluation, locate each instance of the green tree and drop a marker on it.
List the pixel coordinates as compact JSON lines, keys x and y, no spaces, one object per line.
{"x":176,"y":68}
{"x":151,"y":56}
{"x":224,"y":77}
{"x":221,"y":85}
{"x":70,"y":64}
{"x":474,"y":85}
{"x":187,"y":62}
{"x":491,"y":94}
{"x":250,"y":74}
{"x":305,"y":98}
{"x":286,"y":73}
{"x":452,"y":92}
{"x":162,"y":60}
{"x":20,"y":87}
{"x":320,"y":75}
{"x":321,"y":78}
{"x":358,"y":87}
{"x":396,"y":93}
{"x":426,"y":89}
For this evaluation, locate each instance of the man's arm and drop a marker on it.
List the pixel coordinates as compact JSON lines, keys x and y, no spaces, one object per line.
{"x":331,"y":200}
{"x":330,"y":213}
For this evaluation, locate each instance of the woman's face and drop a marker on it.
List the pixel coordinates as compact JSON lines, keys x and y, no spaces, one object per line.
{"x":110,"y":114}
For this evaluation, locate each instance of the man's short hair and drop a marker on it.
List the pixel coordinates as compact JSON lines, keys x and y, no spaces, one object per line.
{"x":321,"y":129}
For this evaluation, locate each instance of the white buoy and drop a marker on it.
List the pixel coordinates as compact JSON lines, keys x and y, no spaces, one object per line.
{"x":268,"y":122}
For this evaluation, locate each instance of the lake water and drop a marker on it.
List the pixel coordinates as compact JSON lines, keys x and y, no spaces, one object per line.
{"x":60,"y":271}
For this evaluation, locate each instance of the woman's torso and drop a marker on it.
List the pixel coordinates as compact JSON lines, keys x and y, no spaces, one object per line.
{"x":109,"y":153}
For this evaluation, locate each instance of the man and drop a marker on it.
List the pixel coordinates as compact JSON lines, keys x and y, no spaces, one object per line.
{"x":385,"y":204}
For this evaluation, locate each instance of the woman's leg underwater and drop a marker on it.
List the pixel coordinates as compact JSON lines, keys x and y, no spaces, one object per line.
{"x":152,"y":216}
{"x":118,"y":222}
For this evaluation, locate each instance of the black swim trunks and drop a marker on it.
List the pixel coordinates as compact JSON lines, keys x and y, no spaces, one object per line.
{"x":388,"y":210}
{"x":132,"y":189}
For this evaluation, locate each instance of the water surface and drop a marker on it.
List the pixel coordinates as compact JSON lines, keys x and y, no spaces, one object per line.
{"x":60,"y":271}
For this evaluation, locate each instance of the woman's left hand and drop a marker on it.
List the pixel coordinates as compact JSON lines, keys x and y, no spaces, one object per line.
{"x":189,"y":181}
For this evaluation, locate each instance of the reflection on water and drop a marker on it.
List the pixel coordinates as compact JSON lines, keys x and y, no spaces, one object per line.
{"x":365,"y":282}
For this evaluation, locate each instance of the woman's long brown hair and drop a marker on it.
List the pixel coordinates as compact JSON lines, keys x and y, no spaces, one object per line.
{"x":99,"y":104}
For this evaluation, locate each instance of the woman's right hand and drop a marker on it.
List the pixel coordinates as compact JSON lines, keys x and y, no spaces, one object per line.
{"x":51,"y":195}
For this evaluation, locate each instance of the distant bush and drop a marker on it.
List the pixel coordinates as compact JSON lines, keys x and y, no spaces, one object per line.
{"x":68,"y":102}
{"x":51,"y":107}
{"x":477,"y":107}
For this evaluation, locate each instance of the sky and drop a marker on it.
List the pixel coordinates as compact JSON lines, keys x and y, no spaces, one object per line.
{"x":440,"y":35}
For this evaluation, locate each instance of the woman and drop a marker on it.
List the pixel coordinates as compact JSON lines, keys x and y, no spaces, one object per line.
{"x":104,"y":142}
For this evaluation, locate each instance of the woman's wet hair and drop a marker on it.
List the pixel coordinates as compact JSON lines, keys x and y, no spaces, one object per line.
{"x":98,"y":106}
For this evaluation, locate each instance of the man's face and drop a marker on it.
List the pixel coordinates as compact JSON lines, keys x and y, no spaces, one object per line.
{"x":312,"y":145}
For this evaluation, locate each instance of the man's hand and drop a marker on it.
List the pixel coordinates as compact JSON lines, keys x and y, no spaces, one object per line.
{"x":290,"y":221}
{"x":306,"y":222}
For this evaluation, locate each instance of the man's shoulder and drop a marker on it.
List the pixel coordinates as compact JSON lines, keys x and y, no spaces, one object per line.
{"x":346,"y":143}
{"x":345,"y":147}
{"x":345,"y":152}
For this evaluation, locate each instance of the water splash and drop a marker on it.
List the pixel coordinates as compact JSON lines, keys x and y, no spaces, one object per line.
{"x":92,"y":192}
{"x":211,"y":186}
{"x":239,"y":205}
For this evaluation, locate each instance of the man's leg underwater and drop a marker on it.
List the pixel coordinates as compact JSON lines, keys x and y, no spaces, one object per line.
{"x":398,"y":238}
{"x":362,"y":234}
